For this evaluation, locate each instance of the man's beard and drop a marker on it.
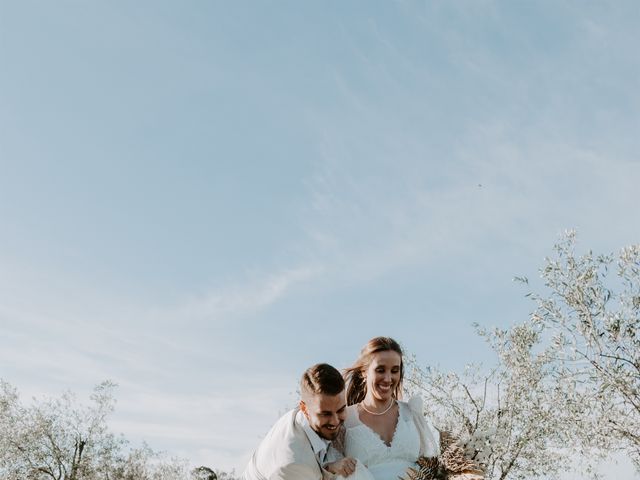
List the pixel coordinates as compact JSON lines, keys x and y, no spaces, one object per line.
{"x":332,"y":433}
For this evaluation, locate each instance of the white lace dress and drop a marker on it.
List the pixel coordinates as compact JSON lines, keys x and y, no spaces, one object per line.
{"x":411,"y":439}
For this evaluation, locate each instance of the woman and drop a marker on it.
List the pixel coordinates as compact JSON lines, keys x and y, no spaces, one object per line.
{"x":383,"y":433}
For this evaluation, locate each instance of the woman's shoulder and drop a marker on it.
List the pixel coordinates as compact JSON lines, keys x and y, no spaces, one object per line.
{"x":414,"y":410}
{"x":413,"y":406}
{"x":352,"y":419}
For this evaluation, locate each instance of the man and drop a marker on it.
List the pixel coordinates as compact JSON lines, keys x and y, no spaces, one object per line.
{"x":298,"y":446}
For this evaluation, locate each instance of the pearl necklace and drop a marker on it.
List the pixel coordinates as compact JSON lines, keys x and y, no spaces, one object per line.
{"x":393,"y":401}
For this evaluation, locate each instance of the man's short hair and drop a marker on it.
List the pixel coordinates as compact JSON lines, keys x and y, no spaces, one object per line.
{"x":321,"y":378}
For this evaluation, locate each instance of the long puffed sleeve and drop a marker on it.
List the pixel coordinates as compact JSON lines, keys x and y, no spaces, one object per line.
{"x":429,"y":444}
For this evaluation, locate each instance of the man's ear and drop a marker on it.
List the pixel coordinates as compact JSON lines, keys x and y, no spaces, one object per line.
{"x":303,"y":409}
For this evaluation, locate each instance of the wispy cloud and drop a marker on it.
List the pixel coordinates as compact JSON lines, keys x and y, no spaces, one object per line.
{"x":203,"y":424}
{"x":48,"y":343}
{"x":258,"y":293}
{"x":497,"y":191}
{"x":45,"y":353}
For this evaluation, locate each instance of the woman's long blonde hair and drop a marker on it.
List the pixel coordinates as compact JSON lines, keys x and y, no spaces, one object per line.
{"x":354,"y":378}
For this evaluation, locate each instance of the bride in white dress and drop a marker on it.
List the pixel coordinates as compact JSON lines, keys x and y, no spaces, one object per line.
{"x":385,"y":435}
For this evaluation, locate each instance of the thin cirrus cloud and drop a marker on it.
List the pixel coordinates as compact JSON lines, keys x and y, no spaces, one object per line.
{"x":145,"y":360}
{"x":249,"y":298}
{"x":200,"y":423}
{"x":497,"y":185}
{"x":97,"y":344}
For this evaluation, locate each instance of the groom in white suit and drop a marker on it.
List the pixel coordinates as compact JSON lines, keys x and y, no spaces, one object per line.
{"x":298,"y":446}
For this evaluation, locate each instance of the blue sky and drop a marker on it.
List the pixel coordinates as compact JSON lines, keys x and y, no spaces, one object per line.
{"x":200,"y":199}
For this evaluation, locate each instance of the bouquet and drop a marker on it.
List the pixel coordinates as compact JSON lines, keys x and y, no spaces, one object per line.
{"x":461,"y":458}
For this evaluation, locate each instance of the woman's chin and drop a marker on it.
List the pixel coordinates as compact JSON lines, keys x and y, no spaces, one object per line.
{"x":384,"y":395}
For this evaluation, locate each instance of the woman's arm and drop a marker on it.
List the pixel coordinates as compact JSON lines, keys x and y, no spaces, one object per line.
{"x":429,"y":445}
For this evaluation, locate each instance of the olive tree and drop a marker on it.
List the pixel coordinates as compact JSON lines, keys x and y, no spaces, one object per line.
{"x":508,"y":417}
{"x":57,"y":438}
{"x":591,"y":314}
{"x":566,"y":381}
{"x":62,"y":439}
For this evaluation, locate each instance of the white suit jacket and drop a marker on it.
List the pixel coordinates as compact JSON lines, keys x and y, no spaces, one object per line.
{"x":286,"y":454}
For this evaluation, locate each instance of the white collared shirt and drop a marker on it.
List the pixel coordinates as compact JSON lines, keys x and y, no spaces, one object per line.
{"x":320,"y":445}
